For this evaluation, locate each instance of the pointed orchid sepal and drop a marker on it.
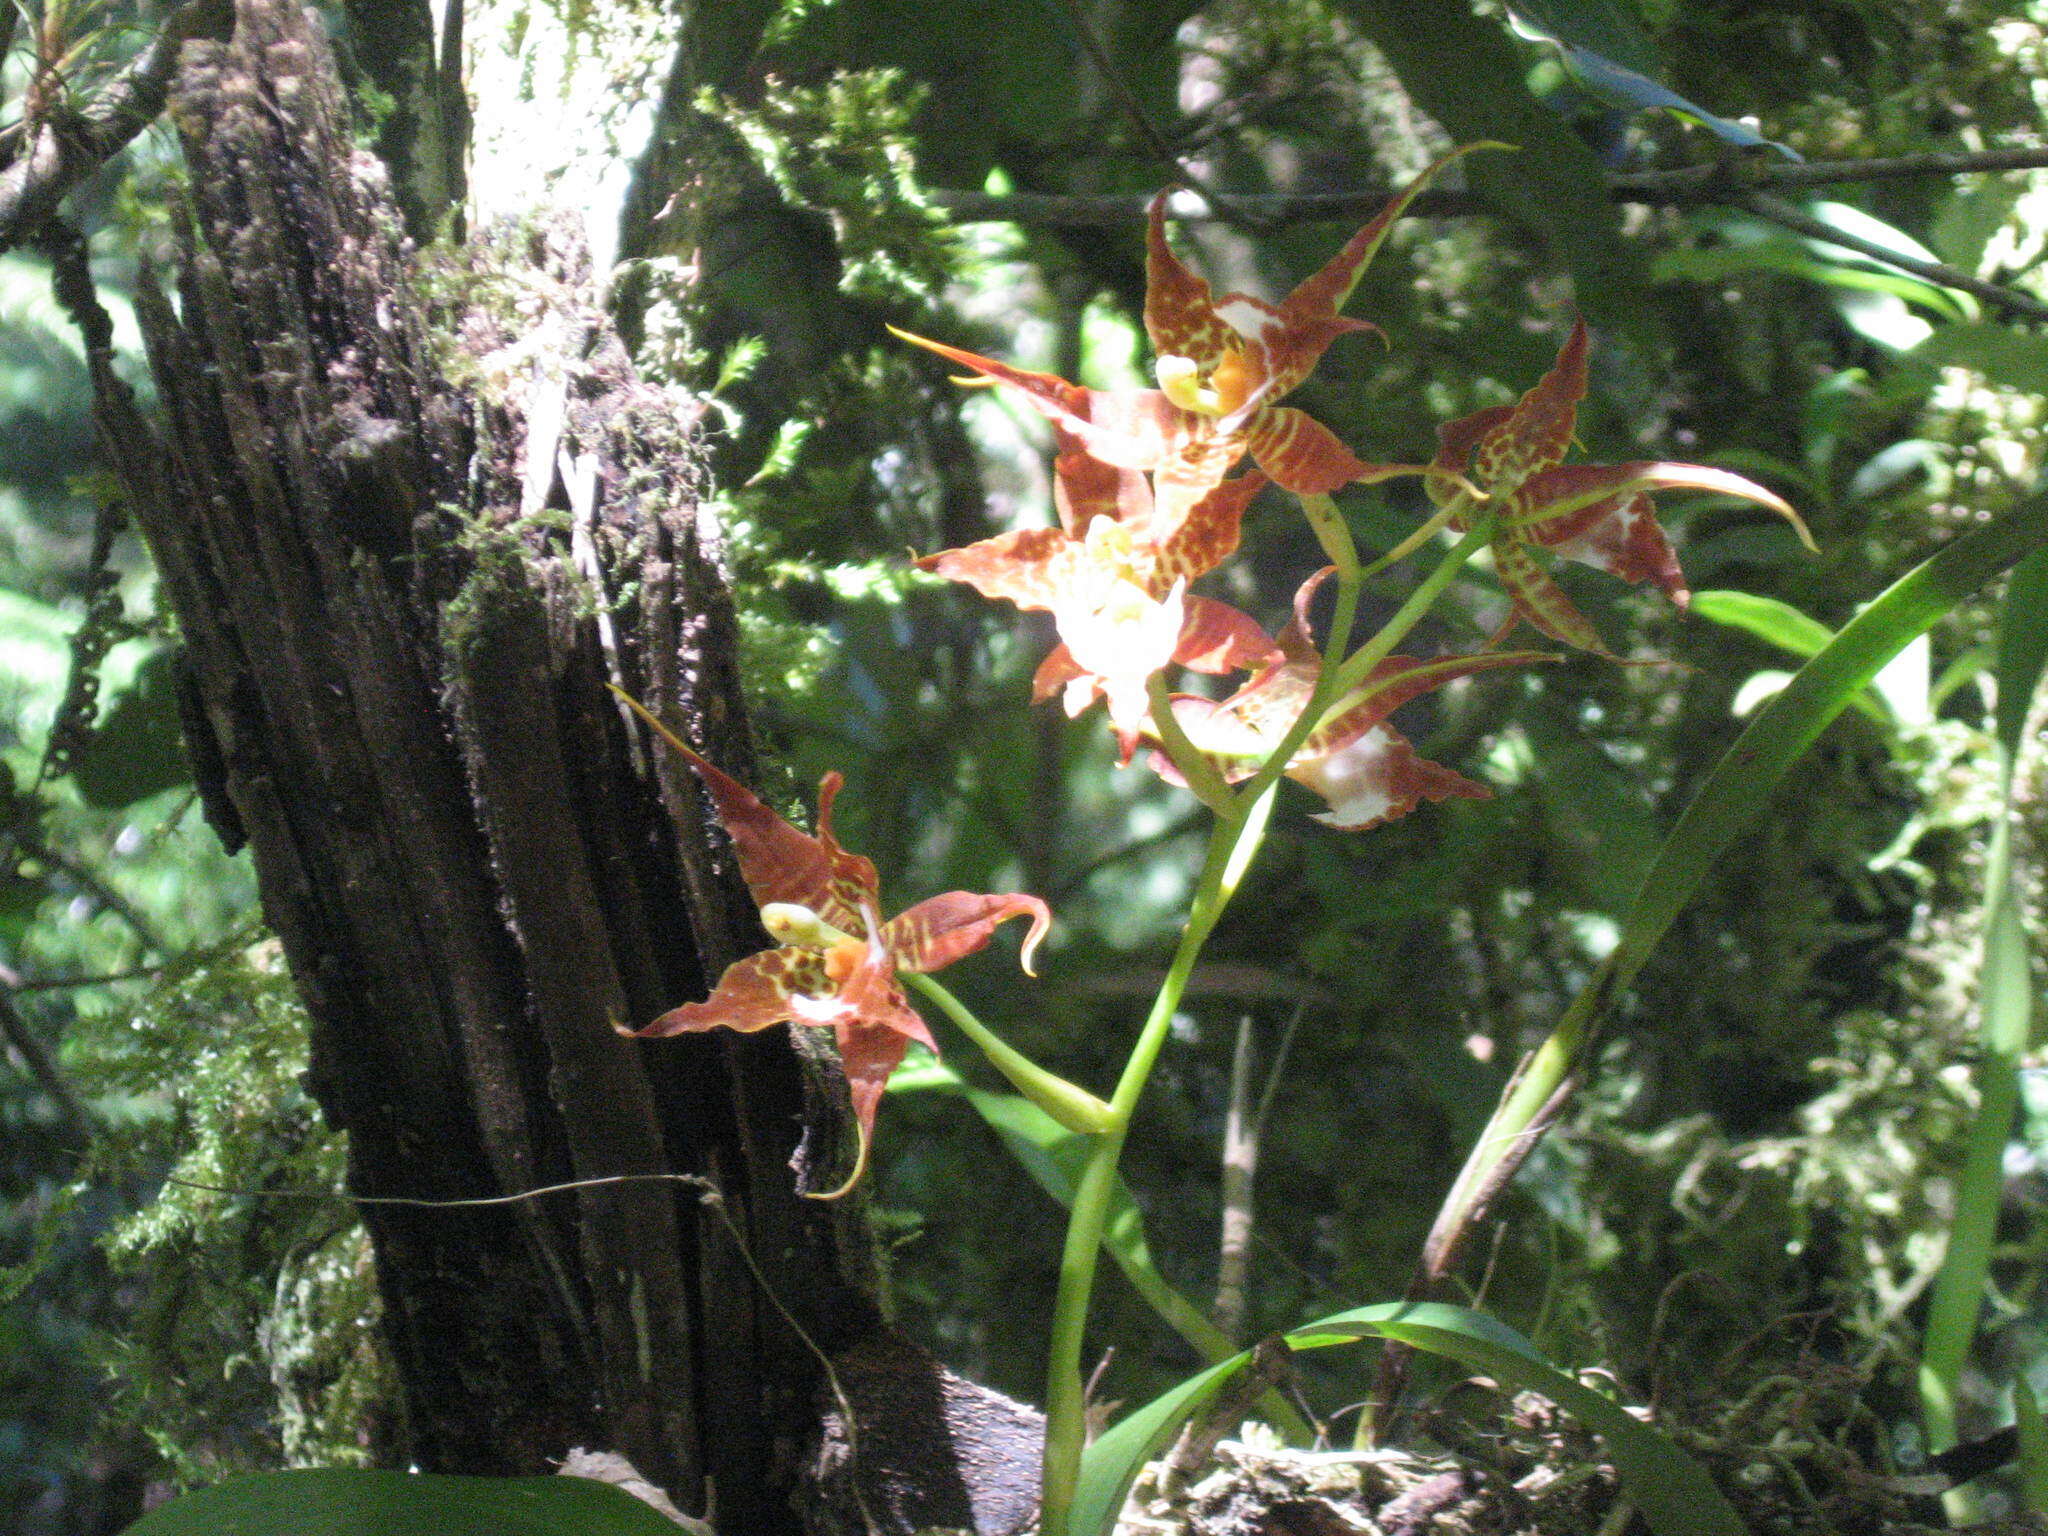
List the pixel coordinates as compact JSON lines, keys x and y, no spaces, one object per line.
{"x":836,"y":963}
{"x":1509,"y":460}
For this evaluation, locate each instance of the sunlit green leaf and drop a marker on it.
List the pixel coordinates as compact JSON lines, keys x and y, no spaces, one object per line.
{"x":1617,"y":83}
{"x":1769,"y":619}
{"x":1780,"y":624}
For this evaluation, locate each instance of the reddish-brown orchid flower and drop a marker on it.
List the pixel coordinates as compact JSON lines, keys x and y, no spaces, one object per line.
{"x":1114,"y":573}
{"x":1601,"y":515}
{"x":1223,"y":365}
{"x":1115,"y":577}
{"x":836,"y":963}
{"x":1361,"y":765}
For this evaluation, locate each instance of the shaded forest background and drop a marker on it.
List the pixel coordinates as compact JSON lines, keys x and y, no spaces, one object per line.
{"x":1754,"y":1190}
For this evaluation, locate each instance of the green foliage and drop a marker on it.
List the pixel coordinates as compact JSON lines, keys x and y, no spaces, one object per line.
{"x":1054,"y":1157}
{"x":1776,"y":1132}
{"x":844,"y":149}
{"x":1673,"y":1494}
{"x":256,"y":1339}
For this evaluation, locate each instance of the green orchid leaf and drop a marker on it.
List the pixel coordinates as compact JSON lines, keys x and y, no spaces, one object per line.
{"x":1734,"y":796}
{"x":1780,"y":624}
{"x":2005,"y":1005}
{"x":2022,"y":651}
{"x":334,"y":1502}
{"x":1674,"y":1495}
{"x":1770,"y":620}
{"x":1740,"y":786}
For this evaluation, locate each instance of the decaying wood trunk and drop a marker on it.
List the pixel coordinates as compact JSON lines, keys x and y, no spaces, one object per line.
{"x":400,"y":598}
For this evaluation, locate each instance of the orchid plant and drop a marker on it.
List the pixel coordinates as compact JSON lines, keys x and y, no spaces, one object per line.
{"x":1151,"y":487}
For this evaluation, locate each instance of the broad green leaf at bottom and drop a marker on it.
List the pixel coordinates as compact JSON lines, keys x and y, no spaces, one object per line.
{"x":327,"y":1501}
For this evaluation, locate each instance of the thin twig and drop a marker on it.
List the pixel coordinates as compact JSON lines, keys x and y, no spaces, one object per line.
{"x":44,"y":1066}
{"x":1240,"y":1165}
{"x":1687,"y":186}
{"x":26,"y":984}
{"x":1244,"y":1128}
{"x":1778,"y":211}
{"x":1132,"y":108}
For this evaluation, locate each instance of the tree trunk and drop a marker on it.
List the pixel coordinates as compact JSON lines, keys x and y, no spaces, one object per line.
{"x":400,"y":599}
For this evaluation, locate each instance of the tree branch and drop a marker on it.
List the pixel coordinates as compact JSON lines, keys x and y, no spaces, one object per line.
{"x":60,"y":151}
{"x":1690,"y":186}
{"x":1778,"y":211}
{"x":39,"y":1061}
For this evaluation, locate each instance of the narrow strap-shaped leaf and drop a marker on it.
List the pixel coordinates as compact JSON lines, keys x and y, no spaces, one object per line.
{"x":1734,"y":795}
{"x":1736,"y":791}
{"x":2005,"y":1008}
{"x":2022,"y":649}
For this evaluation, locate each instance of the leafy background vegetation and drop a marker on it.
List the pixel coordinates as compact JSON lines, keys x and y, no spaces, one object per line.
{"x":1754,"y":1192}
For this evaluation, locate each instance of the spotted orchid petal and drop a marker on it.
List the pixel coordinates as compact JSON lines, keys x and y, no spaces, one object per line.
{"x":1028,"y":567}
{"x":1192,"y":539}
{"x":1217,"y":638}
{"x":1363,"y":767}
{"x":781,"y":864}
{"x":1510,"y":458}
{"x":1535,"y":432}
{"x":837,"y":966}
{"x":1538,"y":599}
{"x":933,"y":934}
{"x":1301,"y":453}
{"x":1562,"y":502}
{"x":1379,"y":778}
{"x":1085,"y":488}
{"x":753,"y":994}
{"x":1274,"y":347}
